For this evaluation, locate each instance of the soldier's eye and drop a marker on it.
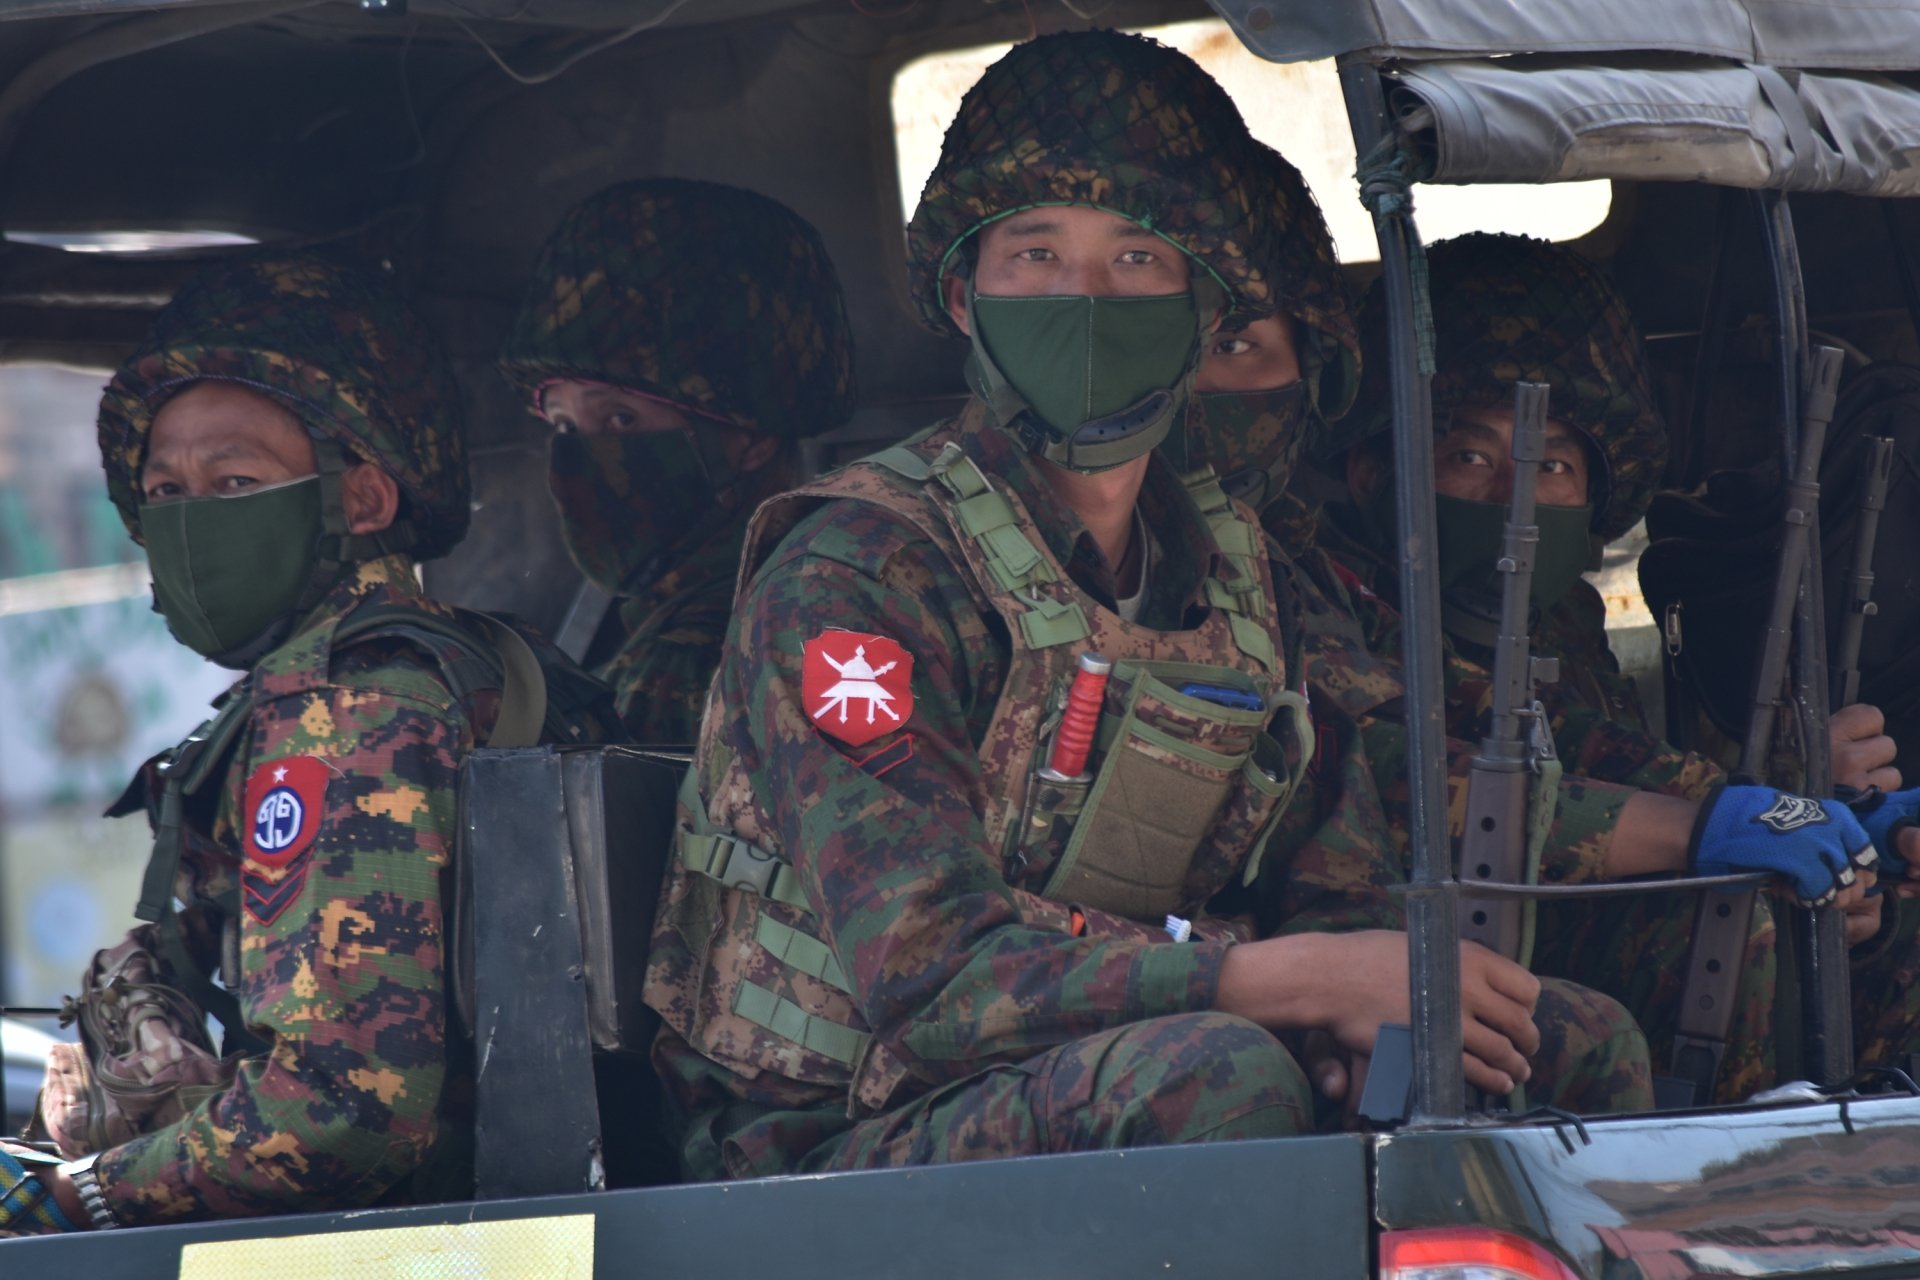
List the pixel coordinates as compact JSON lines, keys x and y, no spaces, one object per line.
{"x":620,"y":420}
{"x":1138,"y":257}
{"x":1035,"y":255}
{"x":164,"y":489}
{"x":1232,"y":347}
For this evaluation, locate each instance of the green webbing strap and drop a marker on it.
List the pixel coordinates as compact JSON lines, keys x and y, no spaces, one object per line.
{"x":1241,"y":599}
{"x":204,"y":992}
{"x":523,"y":688}
{"x":735,"y":863}
{"x":789,"y":1021}
{"x":1542,"y":808}
{"x":800,"y":951}
{"x":986,"y":516}
{"x":1253,"y":640}
{"x":1049,"y":622}
{"x":904,"y":462}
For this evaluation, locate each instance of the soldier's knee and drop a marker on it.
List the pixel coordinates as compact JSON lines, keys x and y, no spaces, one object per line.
{"x":1593,"y":1056}
{"x":1209,"y":1077}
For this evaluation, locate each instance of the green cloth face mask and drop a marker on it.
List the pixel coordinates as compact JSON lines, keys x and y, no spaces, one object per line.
{"x":1102,"y":378}
{"x":1470,"y":534}
{"x":227,"y":569}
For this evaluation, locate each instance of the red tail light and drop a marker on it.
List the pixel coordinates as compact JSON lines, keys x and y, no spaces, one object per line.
{"x":1466,"y":1253}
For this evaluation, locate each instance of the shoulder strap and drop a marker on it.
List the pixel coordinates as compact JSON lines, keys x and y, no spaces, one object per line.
{"x":183,"y":773}
{"x":987,"y":517}
{"x":496,"y":657}
{"x":1241,"y":542}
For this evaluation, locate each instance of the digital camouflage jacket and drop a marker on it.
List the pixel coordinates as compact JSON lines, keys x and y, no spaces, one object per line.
{"x":316,"y":884}
{"x":953,"y":960}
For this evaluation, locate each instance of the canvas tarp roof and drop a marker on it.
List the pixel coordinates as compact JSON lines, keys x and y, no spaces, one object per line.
{"x":1792,"y":95}
{"x":1516,"y":120}
{"x":1855,"y":35}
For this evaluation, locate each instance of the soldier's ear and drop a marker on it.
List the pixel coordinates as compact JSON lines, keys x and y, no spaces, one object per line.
{"x":956,"y":293}
{"x":370,"y":497}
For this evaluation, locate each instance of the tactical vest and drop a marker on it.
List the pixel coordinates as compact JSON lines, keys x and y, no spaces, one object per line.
{"x":1184,"y":791}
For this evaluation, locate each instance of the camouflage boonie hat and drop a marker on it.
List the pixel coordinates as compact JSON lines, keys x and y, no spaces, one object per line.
{"x":338,"y":345}
{"x":715,"y":299}
{"x":1304,"y":272}
{"x":1512,"y":308}
{"x":1101,"y":118}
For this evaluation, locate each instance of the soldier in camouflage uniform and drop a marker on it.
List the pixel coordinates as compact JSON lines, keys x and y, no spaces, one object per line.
{"x":890,"y":935}
{"x":284,"y":447}
{"x":1508,"y":309}
{"x":682,"y":338}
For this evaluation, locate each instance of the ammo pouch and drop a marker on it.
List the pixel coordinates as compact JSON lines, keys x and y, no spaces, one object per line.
{"x":1178,"y":775}
{"x":143,"y":1062}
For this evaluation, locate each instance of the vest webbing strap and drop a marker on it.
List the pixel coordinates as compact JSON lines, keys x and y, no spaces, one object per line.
{"x":1241,"y":598}
{"x":1017,"y":565}
{"x":800,"y":951}
{"x":789,"y":1021}
{"x":735,"y":863}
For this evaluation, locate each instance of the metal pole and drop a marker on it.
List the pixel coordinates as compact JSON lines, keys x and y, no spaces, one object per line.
{"x":1433,"y":943}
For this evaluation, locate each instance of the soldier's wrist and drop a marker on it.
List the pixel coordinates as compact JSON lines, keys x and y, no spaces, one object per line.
{"x":76,"y":1189}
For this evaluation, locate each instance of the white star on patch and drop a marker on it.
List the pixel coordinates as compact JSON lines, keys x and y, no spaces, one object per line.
{"x":280,"y":774}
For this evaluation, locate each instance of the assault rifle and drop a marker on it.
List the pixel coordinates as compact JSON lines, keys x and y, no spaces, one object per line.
{"x":1860,"y":606}
{"x":1497,"y":841}
{"x":1724,"y":918}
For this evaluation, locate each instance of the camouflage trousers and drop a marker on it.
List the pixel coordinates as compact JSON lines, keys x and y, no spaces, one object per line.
{"x":1592,"y":1058}
{"x":1886,"y":990}
{"x":1635,"y":950}
{"x":1196,"y":1077}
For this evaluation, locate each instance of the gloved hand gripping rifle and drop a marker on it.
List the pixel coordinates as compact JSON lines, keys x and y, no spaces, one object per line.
{"x":1724,"y":918}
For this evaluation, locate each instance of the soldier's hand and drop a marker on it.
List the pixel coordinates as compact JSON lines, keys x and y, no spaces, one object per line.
{"x":1861,"y":750}
{"x":1496,"y":1005}
{"x":1817,"y":846}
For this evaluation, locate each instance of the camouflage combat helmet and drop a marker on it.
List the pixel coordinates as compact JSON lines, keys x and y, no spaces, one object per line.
{"x":718,"y":300}
{"x":1511,"y":308}
{"x":1299,"y":262}
{"x":339,"y":347}
{"x":1116,"y":121}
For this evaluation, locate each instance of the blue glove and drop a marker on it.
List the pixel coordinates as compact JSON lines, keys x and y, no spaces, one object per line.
{"x":27,"y":1206}
{"x":1884,"y":815}
{"x":1814,"y":844}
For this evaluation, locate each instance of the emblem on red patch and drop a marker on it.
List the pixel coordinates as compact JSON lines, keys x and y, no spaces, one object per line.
{"x":856,"y":687}
{"x":282,"y":817}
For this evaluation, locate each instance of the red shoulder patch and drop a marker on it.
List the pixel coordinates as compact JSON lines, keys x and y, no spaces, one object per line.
{"x":856,"y":687}
{"x":281,"y":817}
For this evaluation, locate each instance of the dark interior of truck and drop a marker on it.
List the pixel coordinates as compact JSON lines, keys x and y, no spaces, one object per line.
{"x":446,"y":140}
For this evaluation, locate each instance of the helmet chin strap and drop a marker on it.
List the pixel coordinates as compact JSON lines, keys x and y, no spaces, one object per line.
{"x":338,"y":548}
{"x":1102,"y":443}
